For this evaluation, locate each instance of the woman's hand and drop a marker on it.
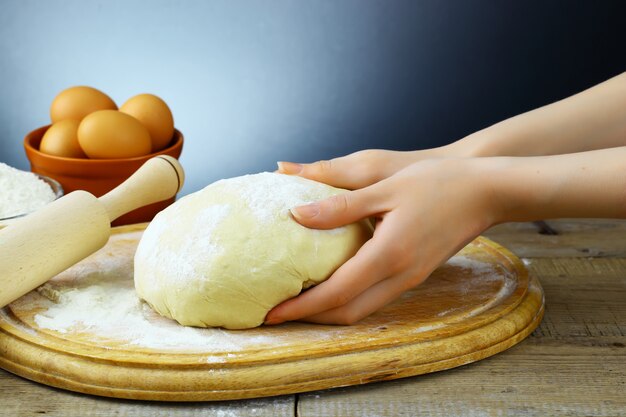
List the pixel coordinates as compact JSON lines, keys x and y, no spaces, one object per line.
{"x":428,"y":204}
{"x":364,"y":168}
{"x":425,"y":212}
{"x":430,"y":209}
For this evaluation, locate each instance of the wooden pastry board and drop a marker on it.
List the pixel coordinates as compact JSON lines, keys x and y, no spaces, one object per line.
{"x":480,"y":303}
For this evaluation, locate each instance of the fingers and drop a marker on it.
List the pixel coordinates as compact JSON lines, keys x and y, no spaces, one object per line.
{"x":353,"y":171}
{"x":358,"y":273}
{"x":369,"y":301}
{"x":336,"y":172}
{"x":372,"y":264}
{"x":341,"y":209}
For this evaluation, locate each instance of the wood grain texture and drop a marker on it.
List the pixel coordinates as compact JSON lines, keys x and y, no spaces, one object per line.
{"x":573,"y":364}
{"x":582,"y":238}
{"x":23,"y":398}
{"x":480,"y":303}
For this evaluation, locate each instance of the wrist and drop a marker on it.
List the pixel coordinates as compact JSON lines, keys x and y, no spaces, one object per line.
{"x":491,"y":190}
{"x":531,"y":188}
{"x":481,"y":144}
{"x":501,"y":179}
{"x":518,"y":189}
{"x":534,"y":188}
{"x":585,"y":184}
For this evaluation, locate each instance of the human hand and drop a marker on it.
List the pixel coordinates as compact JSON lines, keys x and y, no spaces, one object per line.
{"x":367,"y":167}
{"x":425,"y":212}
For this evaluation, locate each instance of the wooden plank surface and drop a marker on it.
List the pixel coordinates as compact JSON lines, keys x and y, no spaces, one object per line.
{"x":582,"y":238}
{"x":478,"y":304}
{"x":573,"y":364}
{"x":22,"y":398}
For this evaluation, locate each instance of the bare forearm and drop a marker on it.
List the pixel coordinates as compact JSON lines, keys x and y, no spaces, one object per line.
{"x":592,"y":119}
{"x":586,"y":184}
{"x":444,"y":201}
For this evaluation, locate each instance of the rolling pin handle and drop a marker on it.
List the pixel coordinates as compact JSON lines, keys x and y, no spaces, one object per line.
{"x":158,"y":179}
{"x":44,"y":243}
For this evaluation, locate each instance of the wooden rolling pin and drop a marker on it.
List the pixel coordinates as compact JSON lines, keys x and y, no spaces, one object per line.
{"x":37,"y":247}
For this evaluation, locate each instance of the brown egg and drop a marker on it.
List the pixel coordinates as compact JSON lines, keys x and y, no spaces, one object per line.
{"x":155,"y":115}
{"x":110,"y":134}
{"x":60,"y":140}
{"x":77,"y":102}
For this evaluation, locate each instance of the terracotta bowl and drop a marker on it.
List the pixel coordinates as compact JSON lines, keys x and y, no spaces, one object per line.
{"x":98,"y":176}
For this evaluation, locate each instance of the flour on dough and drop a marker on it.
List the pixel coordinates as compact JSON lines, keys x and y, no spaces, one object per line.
{"x":226,"y":255}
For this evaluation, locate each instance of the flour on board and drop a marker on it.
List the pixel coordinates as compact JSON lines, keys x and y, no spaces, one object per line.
{"x":98,"y":297}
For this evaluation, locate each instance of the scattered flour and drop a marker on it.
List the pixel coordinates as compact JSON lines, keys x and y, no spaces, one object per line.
{"x":257,"y":199}
{"x":287,"y":192}
{"x":107,"y":304}
{"x":485,"y":272}
{"x":114,"y":310}
{"x":481,"y":268}
{"x":206,"y":221}
{"x":21,"y":192}
{"x":97,"y":296}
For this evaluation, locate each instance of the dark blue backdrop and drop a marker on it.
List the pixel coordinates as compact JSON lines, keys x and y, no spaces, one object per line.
{"x":254,"y":82}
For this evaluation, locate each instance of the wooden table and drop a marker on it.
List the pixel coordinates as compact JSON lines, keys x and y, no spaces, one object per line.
{"x":574,"y":364}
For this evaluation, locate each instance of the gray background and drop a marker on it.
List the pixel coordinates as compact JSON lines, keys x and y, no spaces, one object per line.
{"x":253,"y":82}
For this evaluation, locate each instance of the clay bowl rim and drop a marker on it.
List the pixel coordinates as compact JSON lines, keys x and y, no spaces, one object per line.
{"x":38,"y":134}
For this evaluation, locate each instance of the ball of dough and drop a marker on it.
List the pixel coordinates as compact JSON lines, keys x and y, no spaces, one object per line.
{"x":226,"y":255}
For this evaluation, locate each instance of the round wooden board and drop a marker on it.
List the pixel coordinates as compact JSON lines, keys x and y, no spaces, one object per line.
{"x":478,"y":304}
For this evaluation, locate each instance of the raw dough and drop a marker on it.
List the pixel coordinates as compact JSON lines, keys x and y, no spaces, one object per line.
{"x":226,"y":255}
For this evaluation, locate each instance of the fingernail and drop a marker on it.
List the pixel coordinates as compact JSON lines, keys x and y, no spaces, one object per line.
{"x":272,"y":319}
{"x":307,"y":211}
{"x":290,"y":168}
{"x":270,"y":322}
